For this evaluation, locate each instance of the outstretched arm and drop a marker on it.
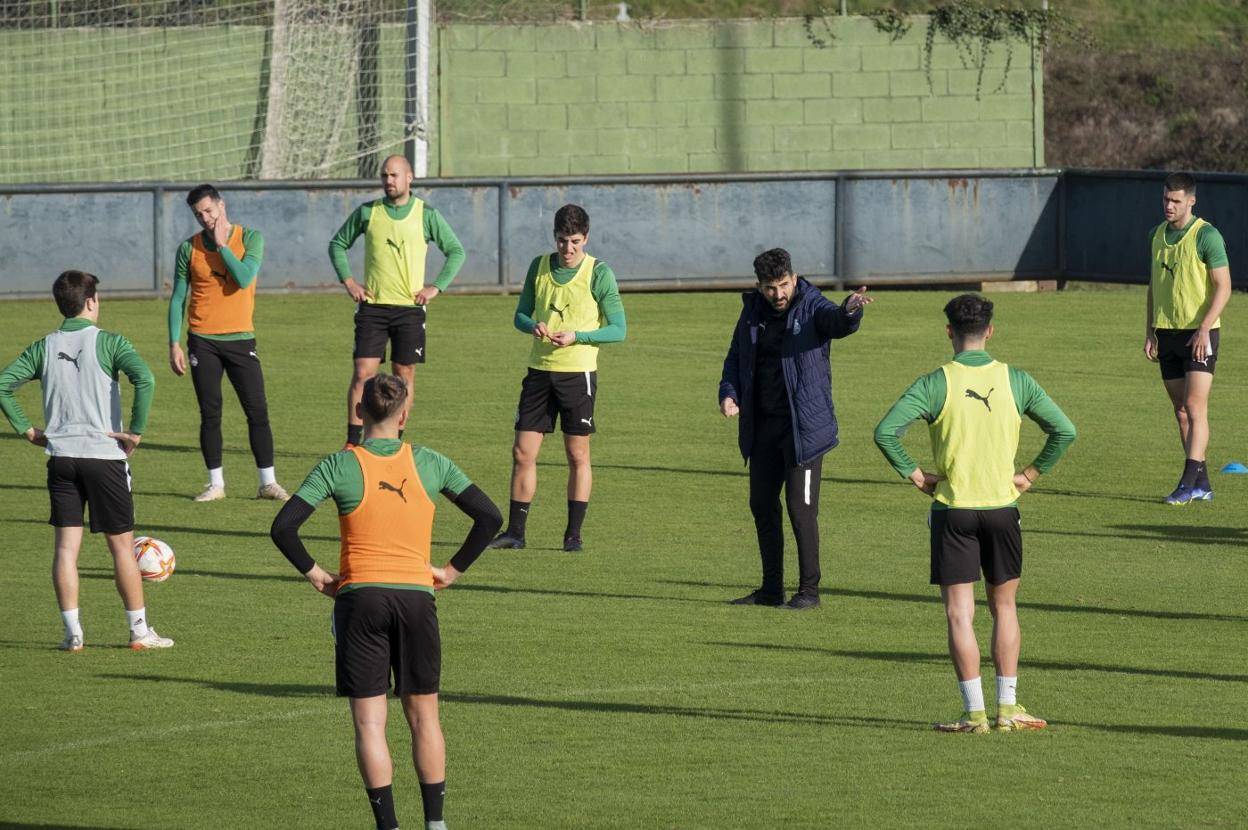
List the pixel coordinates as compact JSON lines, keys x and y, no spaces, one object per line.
{"x":837,"y":321}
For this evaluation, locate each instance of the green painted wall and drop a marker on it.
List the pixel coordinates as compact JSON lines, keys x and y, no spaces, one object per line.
{"x":661,"y":97}
{"x":727,"y":96}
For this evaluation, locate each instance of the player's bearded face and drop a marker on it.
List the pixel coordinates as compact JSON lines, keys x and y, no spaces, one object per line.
{"x":571,"y":248}
{"x":779,"y":293}
{"x":395,"y":181}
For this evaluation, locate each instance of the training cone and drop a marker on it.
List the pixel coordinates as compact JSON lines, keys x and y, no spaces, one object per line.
{"x":1235,"y":467}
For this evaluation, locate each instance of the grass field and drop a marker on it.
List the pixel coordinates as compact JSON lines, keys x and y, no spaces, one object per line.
{"x":615,"y":689}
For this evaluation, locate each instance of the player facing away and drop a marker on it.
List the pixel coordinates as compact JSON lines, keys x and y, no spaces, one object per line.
{"x":391,"y":304}
{"x":973,"y":407}
{"x":1190,"y":284}
{"x":77,"y":366}
{"x":777,"y":378}
{"x":384,"y":611}
{"x":571,"y":305}
{"x":214,"y":287}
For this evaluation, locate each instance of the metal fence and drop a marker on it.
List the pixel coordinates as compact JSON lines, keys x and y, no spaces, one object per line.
{"x":658,"y":232}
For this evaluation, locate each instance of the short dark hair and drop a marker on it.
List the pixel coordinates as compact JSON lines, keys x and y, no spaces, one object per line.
{"x":571,"y":220}
{"x":71,"y":291}
{"x":384,"y":395}
{"x":1180,"y":181}
{"x":969,"y":315}
{"x":770,"y":266}
{"x":198,"y":193}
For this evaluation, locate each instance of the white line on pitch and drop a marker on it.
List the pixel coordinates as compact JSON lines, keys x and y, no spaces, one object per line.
{"x":212,"y":725}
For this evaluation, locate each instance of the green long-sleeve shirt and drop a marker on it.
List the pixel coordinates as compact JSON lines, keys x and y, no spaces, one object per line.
{"x":243,"y":271}
{"x":436,"y":229}
{"x":115,"y":354}
{"x":926,"y":398}
{"x":339,"y":476}
{"x":603,"y":287}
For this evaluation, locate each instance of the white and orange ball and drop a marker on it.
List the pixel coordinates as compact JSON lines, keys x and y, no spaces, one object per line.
{"x":155,"y":558}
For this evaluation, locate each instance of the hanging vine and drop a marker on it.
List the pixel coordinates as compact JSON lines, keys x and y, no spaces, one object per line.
{"x":976,"y":31}
{"x":819,"y":41}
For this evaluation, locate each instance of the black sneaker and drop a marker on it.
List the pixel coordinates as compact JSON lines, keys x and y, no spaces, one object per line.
{"x":506,"y":541}
{"x":800,"y":602}
{"x":572,"y":544}
{"x":759,"y":598}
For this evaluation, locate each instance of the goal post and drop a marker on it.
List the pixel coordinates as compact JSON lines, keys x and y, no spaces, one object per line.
{"x":142,"y":90}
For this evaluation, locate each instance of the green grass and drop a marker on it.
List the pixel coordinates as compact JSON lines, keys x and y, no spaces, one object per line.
{"x":615,"y":689}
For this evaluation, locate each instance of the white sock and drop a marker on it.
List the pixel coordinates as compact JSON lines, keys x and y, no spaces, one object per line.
{"x":216,"y":477}
{"x":972,"y":695}
{"x":138,"y":622}
{"x":72,"y":626}
{"x":267,"y":476}
{"x":1007,"y":691}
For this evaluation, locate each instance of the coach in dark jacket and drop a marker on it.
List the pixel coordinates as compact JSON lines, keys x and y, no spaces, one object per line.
{"x":778,"y":379}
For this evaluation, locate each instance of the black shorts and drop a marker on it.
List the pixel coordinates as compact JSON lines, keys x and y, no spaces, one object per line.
{"x":103,"y":484}
{"x":1175,"y":356}
{"x":385,"y":630}
{"x":964,"y":541}
{"x":403,"y":327}
{"x":570,"y":395}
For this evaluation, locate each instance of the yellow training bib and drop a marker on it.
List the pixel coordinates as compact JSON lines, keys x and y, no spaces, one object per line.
{"x":975,"y":437}
{"x":570,"y":307}
{"x":1182,"y":290}
{"x":394,"y":255}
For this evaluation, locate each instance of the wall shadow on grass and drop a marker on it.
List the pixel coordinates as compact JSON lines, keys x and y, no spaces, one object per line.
{"x":741,"y":473}
{"x":59,"y":825}
{"x":711,"y":712}
{"x":1188,"y":534}
{"x":236,"y":687}
{"x":556,"y":592}
{"x":1029,"y":663}
{"x":934,"y":599}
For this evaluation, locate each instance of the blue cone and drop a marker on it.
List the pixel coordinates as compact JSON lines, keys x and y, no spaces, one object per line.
{"x":1235,"y":467}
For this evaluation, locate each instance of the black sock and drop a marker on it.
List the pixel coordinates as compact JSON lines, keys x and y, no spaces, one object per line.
{"x":432,"y":796}
{"x":381,"y":799}
{"x":516,"y":517}
{"x":1191,"y":470}
{"x":355,"y":434}
{"x":1202,"y":478}
{"x":576,"y":517}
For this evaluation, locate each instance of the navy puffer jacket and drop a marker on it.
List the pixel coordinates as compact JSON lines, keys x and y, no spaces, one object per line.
{"x":812,"y":321}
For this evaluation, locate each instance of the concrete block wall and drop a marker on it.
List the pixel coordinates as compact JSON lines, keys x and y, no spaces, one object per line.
{"x":727,"y":96}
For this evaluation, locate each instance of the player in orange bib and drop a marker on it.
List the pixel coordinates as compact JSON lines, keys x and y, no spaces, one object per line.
{"x":384,"y":612}
{"x":215,"y":288}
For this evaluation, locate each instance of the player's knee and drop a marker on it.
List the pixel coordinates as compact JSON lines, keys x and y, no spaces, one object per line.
{"x":578,"y":456}
{"x":523,"y":456}
{"x":959,"y":616}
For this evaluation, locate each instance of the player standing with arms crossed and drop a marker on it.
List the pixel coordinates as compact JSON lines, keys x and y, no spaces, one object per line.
{"x":1190,"y":284}
{"x":77,"y":366}
{"x":571,"y":305}
{"x":214,"y":285}
{"x":391,"y":303}
{"x":973,"y":407}
{"x":384,"y":610}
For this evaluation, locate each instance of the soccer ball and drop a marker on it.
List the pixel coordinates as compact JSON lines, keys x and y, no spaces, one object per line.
{"x":155,"y":558}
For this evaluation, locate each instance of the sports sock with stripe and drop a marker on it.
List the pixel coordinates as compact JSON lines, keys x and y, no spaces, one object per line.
{"x":432,"y":796}
{"x":137,"y":620}
{"x":517,"y":515}
{"x":1007,"y":691}
{"x":381,"y":799}
{"x":1192,"y":470}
